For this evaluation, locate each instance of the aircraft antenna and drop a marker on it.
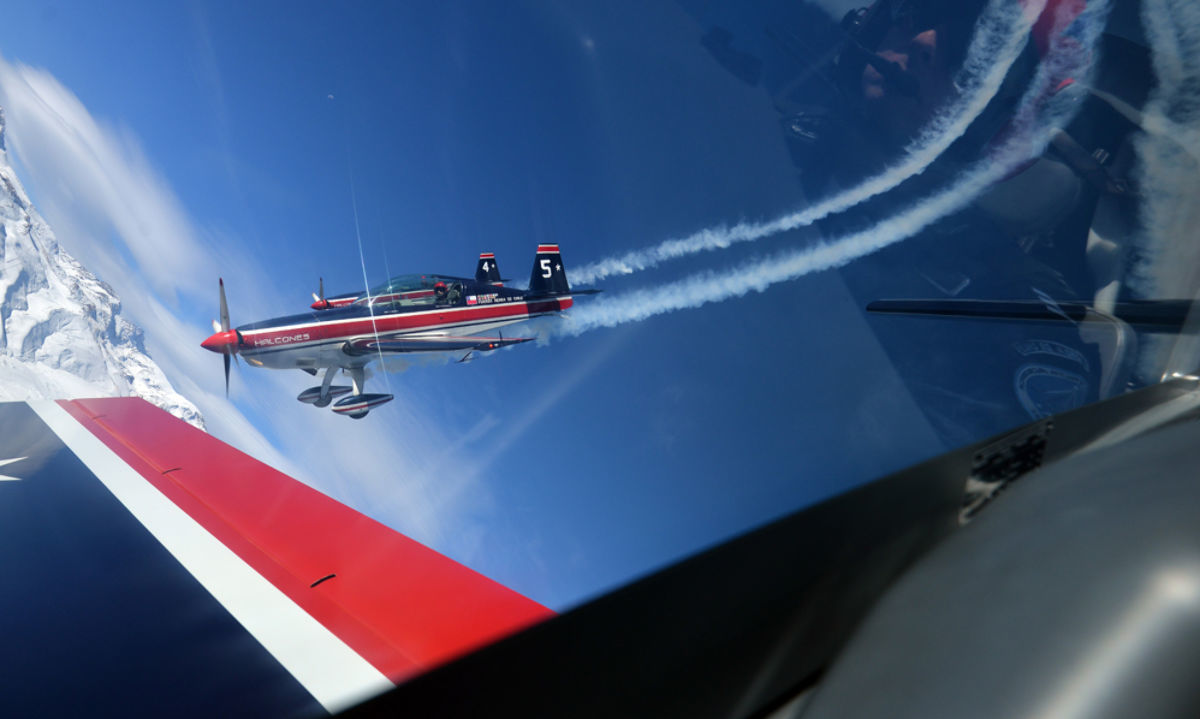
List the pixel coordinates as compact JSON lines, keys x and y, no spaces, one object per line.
{"x":363,"y":262}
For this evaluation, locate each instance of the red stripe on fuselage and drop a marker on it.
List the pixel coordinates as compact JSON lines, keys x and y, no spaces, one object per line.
{"x":400,"y":605}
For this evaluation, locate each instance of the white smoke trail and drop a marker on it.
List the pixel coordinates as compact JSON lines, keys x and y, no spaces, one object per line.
{"x":1038,"y":117}
{"x":1168,"y":175}
{"x":1170,"y":150}
{"x":1000,"y":36}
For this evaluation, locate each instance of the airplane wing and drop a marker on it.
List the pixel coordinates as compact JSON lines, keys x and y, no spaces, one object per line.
{"x":1146,"y":315}
{"x":153,"y":570}
{"x":432,"y":343}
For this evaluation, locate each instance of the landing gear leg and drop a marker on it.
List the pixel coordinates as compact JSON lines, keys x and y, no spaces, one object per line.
{"x":357,"y":379}
{"x":325,"y":397}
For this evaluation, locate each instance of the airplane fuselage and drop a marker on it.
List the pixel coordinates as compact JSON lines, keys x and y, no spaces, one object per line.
{"x":316,"y":339}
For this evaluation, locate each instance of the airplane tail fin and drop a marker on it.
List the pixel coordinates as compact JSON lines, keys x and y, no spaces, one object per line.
{"x":487,"y":270}
{"x":548,"y":276}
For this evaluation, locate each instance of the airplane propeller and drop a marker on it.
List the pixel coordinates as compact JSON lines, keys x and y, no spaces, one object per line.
{"x":223,"y":340}
{"x":224,"y":328}
{"x":224,"y":306}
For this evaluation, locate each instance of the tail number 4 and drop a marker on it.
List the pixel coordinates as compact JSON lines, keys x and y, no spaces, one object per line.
{"x":546,"y":268}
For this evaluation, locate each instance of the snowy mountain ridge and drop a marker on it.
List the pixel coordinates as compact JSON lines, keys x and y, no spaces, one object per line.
{"x":61,"y":332}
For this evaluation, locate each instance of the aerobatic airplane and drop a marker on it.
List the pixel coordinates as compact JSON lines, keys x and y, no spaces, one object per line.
{"x":408,"y":313}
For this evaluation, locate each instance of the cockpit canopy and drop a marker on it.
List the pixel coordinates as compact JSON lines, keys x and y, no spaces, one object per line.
{"x":410,"y":283}
{"x":415,"y":289}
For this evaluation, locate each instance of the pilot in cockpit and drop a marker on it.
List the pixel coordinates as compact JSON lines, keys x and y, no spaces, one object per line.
{"x":447,"y":294}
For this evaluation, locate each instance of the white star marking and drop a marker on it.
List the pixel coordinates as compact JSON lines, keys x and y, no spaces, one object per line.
{"x":6,"y":478}
{"x":558,"y":267}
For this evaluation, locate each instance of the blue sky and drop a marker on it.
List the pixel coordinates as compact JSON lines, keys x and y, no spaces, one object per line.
{"x":241,"y":136}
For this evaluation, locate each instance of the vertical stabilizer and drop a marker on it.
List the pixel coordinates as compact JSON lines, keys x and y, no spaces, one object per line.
{"x":487,"y":270}
{"x":548,"y":276}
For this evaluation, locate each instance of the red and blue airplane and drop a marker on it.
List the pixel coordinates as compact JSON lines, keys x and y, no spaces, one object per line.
{"x":408,"y":313}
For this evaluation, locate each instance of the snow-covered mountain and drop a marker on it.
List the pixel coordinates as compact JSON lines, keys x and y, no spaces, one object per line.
{"x":61,"y":332}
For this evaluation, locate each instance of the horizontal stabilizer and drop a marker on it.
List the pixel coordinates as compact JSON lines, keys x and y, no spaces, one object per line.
{"x":440,"y":343}
{"x":1145,"y":315}
{"x":572,"y":293}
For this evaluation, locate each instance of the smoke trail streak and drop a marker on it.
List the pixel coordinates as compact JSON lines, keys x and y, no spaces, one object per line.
{"x":1038,"y":117}
{"x":1168,"y":174}
{"x":1000,"y":36}
{"x":1170,"y":149}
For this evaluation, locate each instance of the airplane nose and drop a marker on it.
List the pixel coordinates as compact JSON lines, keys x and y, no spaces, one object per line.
{"x":221,"y":342}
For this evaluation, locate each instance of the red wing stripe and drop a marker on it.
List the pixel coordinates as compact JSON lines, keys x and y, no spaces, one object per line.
{"x":399,"y":604}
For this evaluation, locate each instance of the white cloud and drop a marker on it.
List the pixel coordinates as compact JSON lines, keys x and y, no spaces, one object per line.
{"x":107,"y":179}
{"x":1168,"y":174}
